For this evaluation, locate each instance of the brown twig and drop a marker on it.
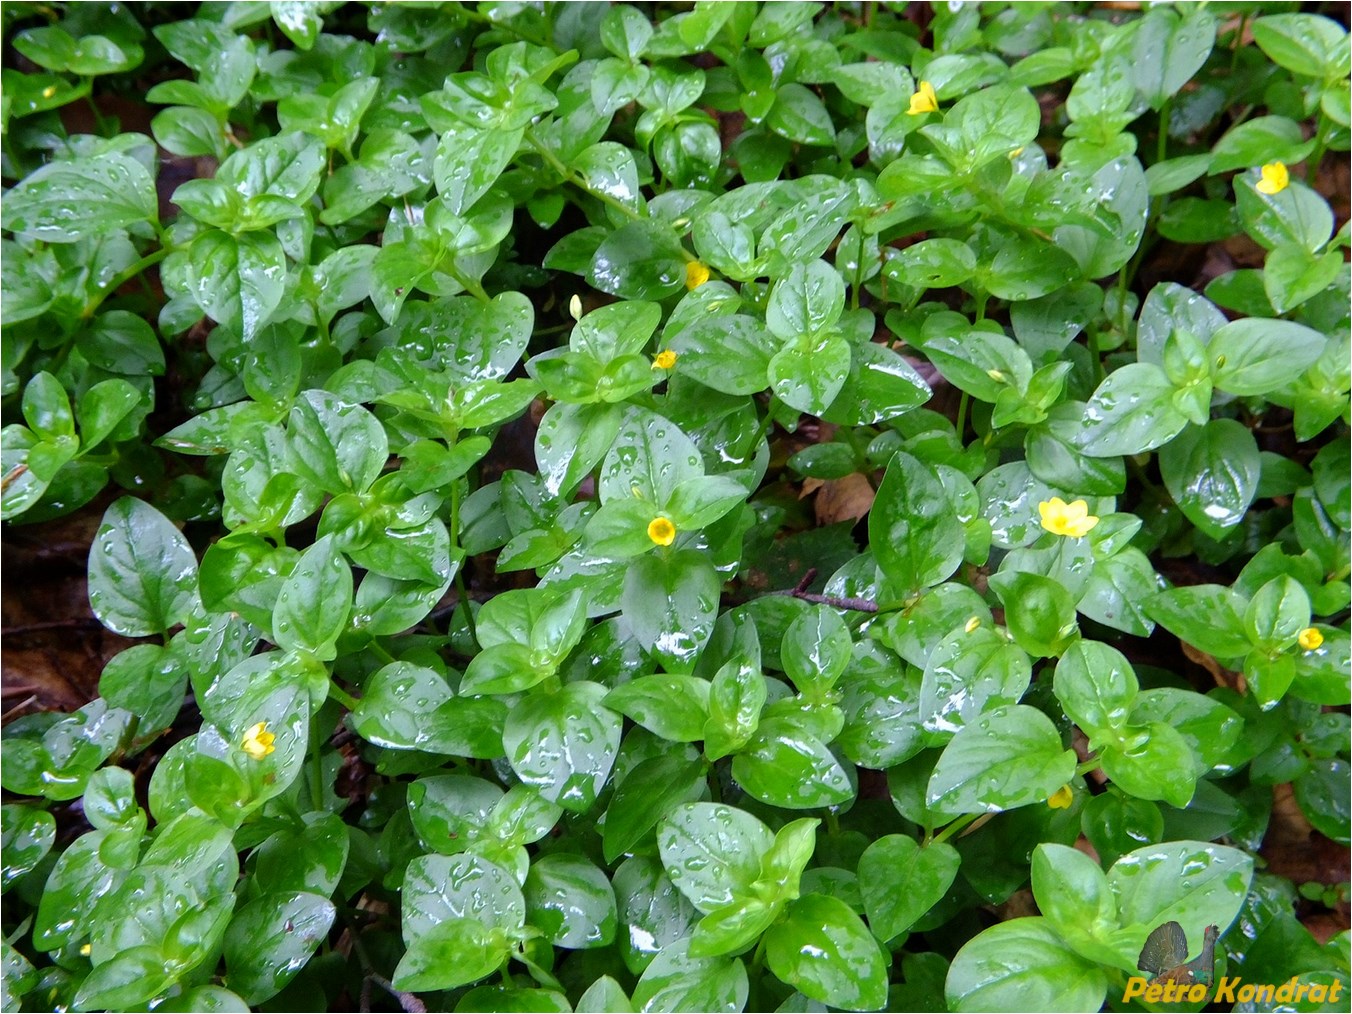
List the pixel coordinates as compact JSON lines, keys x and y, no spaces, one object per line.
{"x":407,"y":1001}
{"x":801,"y":592}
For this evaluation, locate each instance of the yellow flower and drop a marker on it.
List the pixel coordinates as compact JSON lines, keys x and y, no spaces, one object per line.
{"x":85,"y":949}
{"x":1061,"y":518}
{"x":1061,"y":798}
{"x":575,"y":307}
{"x":661,"y":531}
{"x":696,"y":274}
{"x":1275,"y":178}
{"x":258,"y":741}
{"x":1310,"y":639}
{"x":664,"y":360}
{"x":924,"y":100}
{"x":972,"y":624}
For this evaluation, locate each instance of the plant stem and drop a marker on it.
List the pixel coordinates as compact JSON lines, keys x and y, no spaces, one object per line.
{"x":1321,"y":140}
{"x":1162,"y":145}
{"x":576,"y":179}
{"x":342,"y":696}
{"x":123,"y":277}
{"x":1092,"y":764}
{"x":956,"y":826}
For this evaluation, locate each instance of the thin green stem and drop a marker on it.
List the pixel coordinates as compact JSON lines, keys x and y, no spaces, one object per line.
{"x":316,"y":772}
{"x":953,"y":828}
{"x":1092,"y":764}
{"x":1162,"y":145}
{"x":460,"y":586}
{"x":576,"y":179}
{"x":380,"y":650}
{"x":123,"y":277}
{"x":858,"y":271}
{"x":342,"y":696}
{"x":1321,"y":140}
{"x":962,"y":415}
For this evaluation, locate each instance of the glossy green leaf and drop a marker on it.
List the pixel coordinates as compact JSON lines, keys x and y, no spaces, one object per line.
{"x":142,"y":573}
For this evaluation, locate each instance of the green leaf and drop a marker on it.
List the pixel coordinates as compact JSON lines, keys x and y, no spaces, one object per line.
{"x":1168,"y":50}
{"x":970,"y":671}
{"x":1022,"y":964}
{"x":1152,"y":762}
{"x":269,"y":940}
{"x":1304,"y":43}
{"x":142,"y":572}
{"x":314,"y":602}
{"x":784,"y":765}
{"x":1040,"y":611}
{"x":736,"y":696}
{"x":132,"y":977}
{"x":570,"y":901}
{"x":453,"y":952}
{"x":1322,"y":792}
{"x":640,"y":260}
{"x":337,"y":446}
{"x":1212,"y":473}
{"x":1193,"y":883}
{"x":28,"y":835}
{"x":1096,"y":686}
{"x":1132,"y":411}
{"x":823,"y":950}
{"x":1256,"y":141}
{"x":915,"y":535}
{"x":731,"y":354}
{"x":808,"y":378}
{"x":238,"y":281}
{"x":816,"y":649}
{"x":564,"y":743}
{"x":673,"y":707}
{"x":1208,"y":616}
{"x":1253,"y":356}
{"x":800,"y":116}
{"x":309,"y":859}
{"x":645,"y":796}
{"x":900,"y":881}
{"x":675,"y":981}
{"x":1277,"y":612}
{"x":806,"y":302}
{"x":712,"y":852}
{"x":670,"y":601}
{"x":63,"y":201}
{"x":1008,"y":757}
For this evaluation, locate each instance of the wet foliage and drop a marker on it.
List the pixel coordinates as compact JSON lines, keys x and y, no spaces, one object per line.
{"x":729,"y":506}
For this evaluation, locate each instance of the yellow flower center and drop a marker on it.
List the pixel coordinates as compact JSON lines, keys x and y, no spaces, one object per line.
{"x":1061,"y":798}
{"x":1069,"y":519}
{"x":664,"y":360}
{"x":924,"y":100}
{"x":1310,"y":639}
{"x":661,"y":531}
{"x":1275,"y":178}
{"x":696,"y":274}
{"x":258,"y":741}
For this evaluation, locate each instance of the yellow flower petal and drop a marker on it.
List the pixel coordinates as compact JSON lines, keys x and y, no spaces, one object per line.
{"x":661,"y":531}
{"x":1275,"y":179}
{"x":924,"y":100}
{"x":696,"y":274}
{"x":1068,"y":519}
{"x":1310,"y":639}
{"x":1061,"y":798}
{"x":664,"y":360}
{"x":258,"y":741}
